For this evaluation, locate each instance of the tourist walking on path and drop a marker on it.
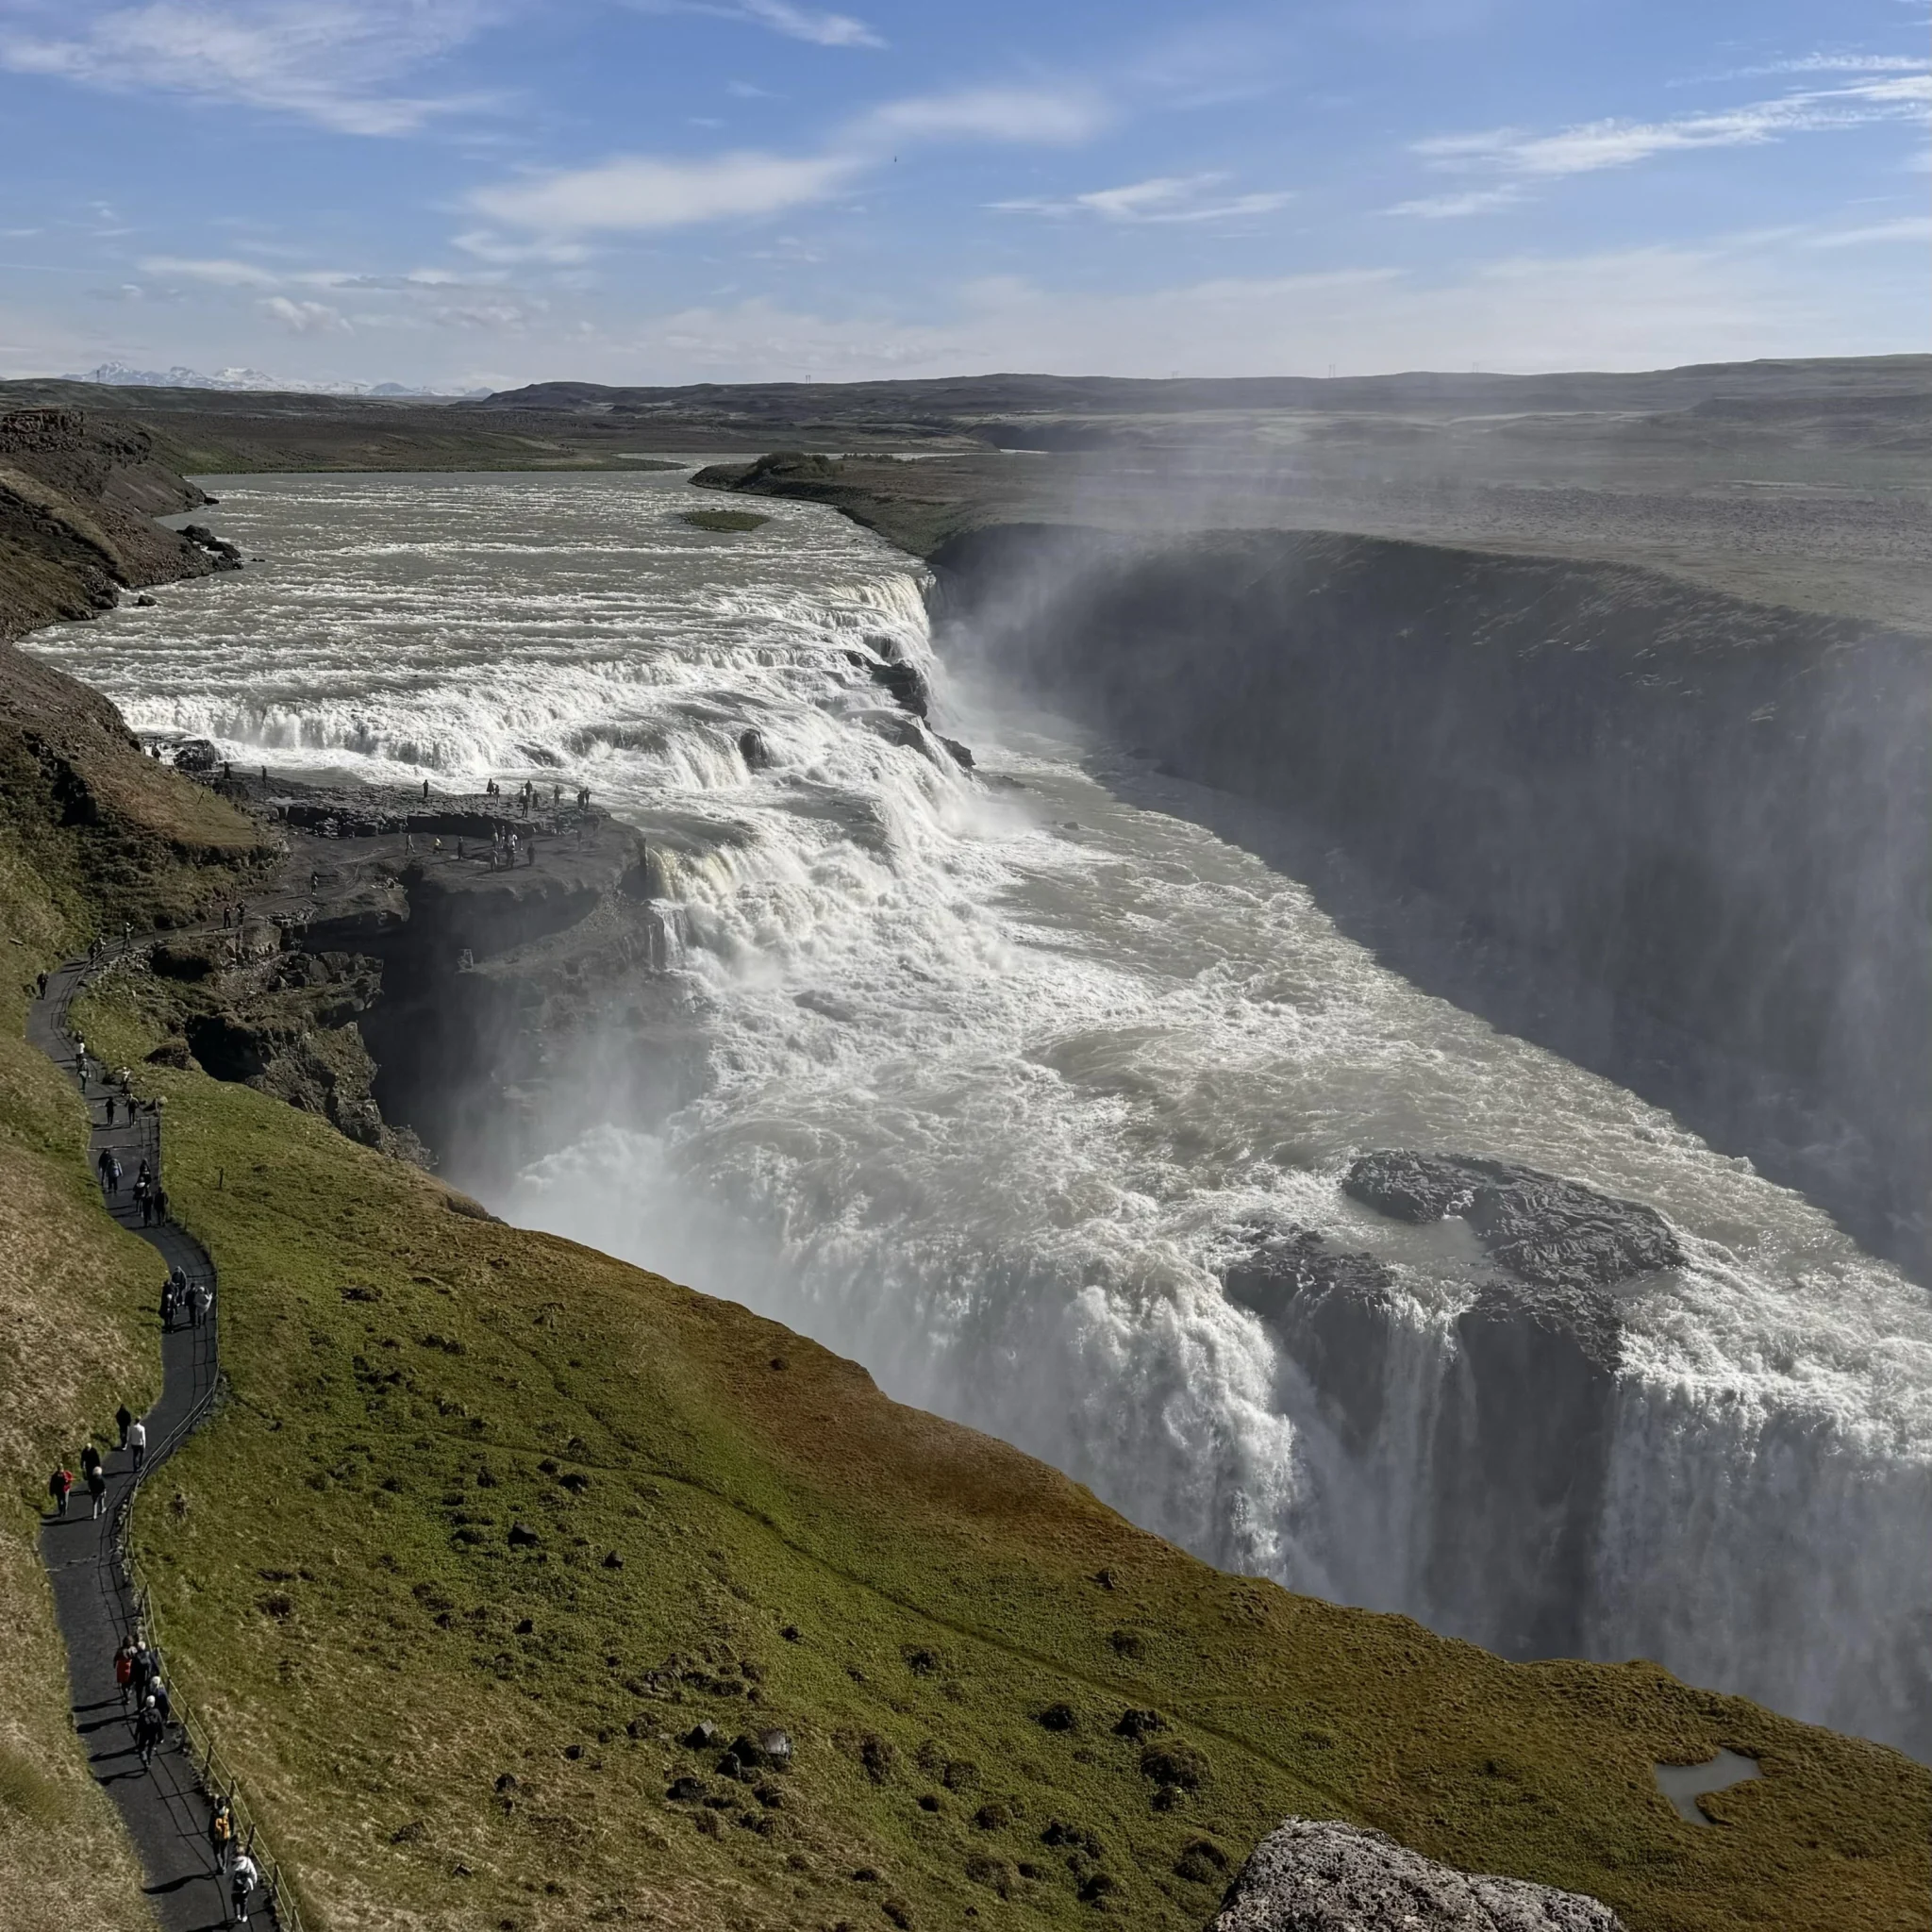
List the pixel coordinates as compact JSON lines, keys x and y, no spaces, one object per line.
{"x":221,"y":1834}
{"x":58,"y":1486}
{"x":148,"y":1731}
{"x":242,"y":1879}
{"x":168,"y":1813}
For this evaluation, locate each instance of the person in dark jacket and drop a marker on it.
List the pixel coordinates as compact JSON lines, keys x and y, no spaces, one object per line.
{"x":149,"y":1729}
{"x":58,"y":1486}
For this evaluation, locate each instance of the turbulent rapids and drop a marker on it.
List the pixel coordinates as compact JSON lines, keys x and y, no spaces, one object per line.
{"x":999,"y":1073}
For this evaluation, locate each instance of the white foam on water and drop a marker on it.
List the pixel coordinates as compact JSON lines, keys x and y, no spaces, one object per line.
{"x":992,"y":1071}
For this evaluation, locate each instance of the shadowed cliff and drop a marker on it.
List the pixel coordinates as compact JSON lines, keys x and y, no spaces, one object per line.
{"x":1673,"y":835}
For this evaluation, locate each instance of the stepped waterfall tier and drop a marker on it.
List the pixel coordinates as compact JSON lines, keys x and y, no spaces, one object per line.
{"x":971,"y":1051}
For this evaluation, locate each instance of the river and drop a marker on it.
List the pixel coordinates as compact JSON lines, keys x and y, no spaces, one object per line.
{"x":994,"y":1062}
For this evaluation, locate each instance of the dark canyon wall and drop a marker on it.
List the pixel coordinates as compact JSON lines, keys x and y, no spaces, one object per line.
{"x":1687,"y":835}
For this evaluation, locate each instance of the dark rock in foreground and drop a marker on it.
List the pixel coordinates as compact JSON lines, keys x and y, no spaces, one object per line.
{"x":1321,"y":1876}
{"x":1555,"y":1233}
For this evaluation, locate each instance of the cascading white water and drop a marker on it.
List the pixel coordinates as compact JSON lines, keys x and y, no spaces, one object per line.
{"x":996,"y":1063}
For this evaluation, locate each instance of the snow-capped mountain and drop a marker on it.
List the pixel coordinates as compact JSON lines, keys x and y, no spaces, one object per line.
{"x":121,"y":375}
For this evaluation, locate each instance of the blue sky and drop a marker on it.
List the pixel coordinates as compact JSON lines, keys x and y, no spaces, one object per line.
{"x":491,"y":192}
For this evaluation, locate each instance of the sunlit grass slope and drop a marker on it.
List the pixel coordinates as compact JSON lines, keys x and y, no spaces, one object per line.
{"x":490,"y":1521}
{"x":90,"y":833}
{"x":75,"y":1339}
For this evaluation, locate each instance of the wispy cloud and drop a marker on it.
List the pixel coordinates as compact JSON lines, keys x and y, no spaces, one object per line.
{"x":814,"y":25}
{"x":222,"y":274}
{"x":1836,"y":63}
{"x":329,"y":61}
{"x":1164,"y":198}
{"x":809,"y":23}
{"x":1912,"y":228}
{"x":1595,"y":145}
{"x":1469,"y":201}
{"x":486,"y":245}
{"x":304,"y":318}
{"x":641,"y":191}
{"x":1052,"y":117}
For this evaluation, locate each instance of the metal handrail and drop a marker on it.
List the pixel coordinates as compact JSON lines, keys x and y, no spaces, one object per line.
{"x":217,"y":1777}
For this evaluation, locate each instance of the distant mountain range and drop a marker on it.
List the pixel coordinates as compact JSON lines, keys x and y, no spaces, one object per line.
{"x":120,"y":375}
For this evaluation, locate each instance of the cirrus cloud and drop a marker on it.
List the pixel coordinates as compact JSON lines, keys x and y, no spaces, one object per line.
{"x":641,"y":191}
{"x":1593,"y":146}
{"x":328,"y":61}
{"x":1053,"y":117}
{"x":1162,"y":198}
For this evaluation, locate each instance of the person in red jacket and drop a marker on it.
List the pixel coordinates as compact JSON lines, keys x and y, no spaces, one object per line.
{"x":58,"y":1486}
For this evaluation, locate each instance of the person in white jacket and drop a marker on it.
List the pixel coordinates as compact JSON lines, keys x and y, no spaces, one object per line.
{"x":243,"y":1877}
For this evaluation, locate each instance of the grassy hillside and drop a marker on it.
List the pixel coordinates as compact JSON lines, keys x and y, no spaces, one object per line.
{"x":73,"y":1342}
{"x":490,"y":1520}
{"x":91,"y":832}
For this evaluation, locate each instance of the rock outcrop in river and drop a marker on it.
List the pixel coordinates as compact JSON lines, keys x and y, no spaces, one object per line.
{"x":1524,"y":1399}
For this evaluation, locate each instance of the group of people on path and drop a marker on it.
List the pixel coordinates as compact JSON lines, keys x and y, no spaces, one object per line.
{"x":507,"y":848}
{"x":93,"y":1468}
{"x":94,"y":1476}
{"x":150,"y":1197}
{"x":531,"y":795}
{"x":143,"y":1690}
{"x":183,"y":1299}
{"x":145,"y":1695}
{"x":137,"y":1666}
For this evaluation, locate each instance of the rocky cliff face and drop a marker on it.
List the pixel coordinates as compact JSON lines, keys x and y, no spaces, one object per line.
{"x":502,"y":998}
{"x":79,"y":496}
{"x":439,"y":1007}
{"x":1684,"y":835}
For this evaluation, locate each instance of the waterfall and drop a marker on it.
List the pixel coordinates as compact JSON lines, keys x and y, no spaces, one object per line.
{"x":993,"y":1063}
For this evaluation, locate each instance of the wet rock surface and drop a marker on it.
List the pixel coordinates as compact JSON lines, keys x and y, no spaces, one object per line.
{"x":1555,"y":1233}
{"x":1332,"y":1310}
{"x":1321,"y":1876}
{"x":1521,"y":1386}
